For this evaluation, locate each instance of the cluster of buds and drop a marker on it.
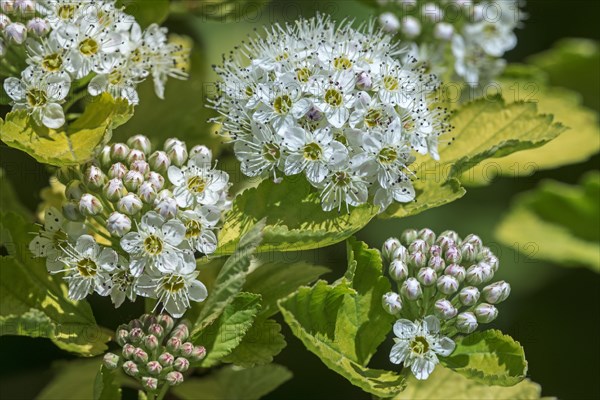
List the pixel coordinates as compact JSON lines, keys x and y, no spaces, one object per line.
{"x":133,"y":220}
{"x":445,"y":276}
{"x":57,"y":51}
{"x":472,"y":34}
{"x":154,"y":351}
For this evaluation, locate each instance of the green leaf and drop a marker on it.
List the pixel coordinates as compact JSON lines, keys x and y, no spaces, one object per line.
{"x":222,"y":10}
{"x":235,"y":383}
{"x":573,"y":64}
{"x":578,"y":143}
{"x":34,"y":303}
{"x":488,"y":357}
{"x":344,"y":323}
{"x":260,"y":344}
{"x":294,"y":217}
{"x":74,"y":143}
{"x":8,"y":198}
{"x":74,"y":380}
{"x":231,"y":278}
{"x":227,"y":331}
{"x":448,"y":385}
{"x":276,"y":280}
{"x":557,"y":222}
{"x":146,"y":12}
{"x":484,"y":128}
{"x":105,"y":387}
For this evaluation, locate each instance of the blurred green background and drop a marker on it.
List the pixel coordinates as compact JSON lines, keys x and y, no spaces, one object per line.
{"x":553,"y":311}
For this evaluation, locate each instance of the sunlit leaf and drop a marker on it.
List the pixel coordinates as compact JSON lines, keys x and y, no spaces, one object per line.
{"x":73,"y":146}
{"x":557,"y":222}
{"x":488,"y":357}
{"x":482,"y":129}
{"x":34,"y":303}
{"x":344,"y":323}
{"x":262,"y":342}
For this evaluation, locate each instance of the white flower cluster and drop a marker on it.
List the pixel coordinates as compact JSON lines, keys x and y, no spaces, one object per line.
{"x":439,"y":294}
{"x":134,"y":220}
{"x":79,"y":47}
{"x":474,"y":34}
{"x":334,"y":103}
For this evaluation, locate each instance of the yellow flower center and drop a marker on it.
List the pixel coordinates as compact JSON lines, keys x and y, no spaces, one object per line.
{"x":271,"y":152}
{"x":303,"y":74}
{"x":373,"y":117}
{"x":86,"y":267}
{"x":391,"y":83}
{"x":88,"y":47}
{"x":282,"y":104}
{"x":333,"y":97}
{"x":342,"y":63}
{"x":387,"y":155}
{"x":172,"y":283}
{"x":312,"y":151}
{"x":52,"y":62}
{"x":193,"y":229}
{"x":153,"y":245}
{"x":36,"y":97}
{"x":419,"y":345}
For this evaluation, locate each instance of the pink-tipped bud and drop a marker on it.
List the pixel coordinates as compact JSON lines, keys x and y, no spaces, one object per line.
{"x":437,"y":263}
{"x":89,"y":205}
{"x":174,"y":378}
{"x":133,"y":180}
{"x":38,"y":26}
{"x":469,"y":296}
{"x":452,"y":255}
{"x":444,"y":309}
{"x":173,"y":344}
{"x":418,"y":245}
{"x":15,"y":33}
{"x":392,"y":303}
{"x":427,"y":235}
{"x":466,"y":322}
{"x":156,"y":330}
{"x":186,"y":349}
{"x":456,"y":271}
{"x":485,"y":313}
{"x":398,"y":270}
{"x":117,"y":170}
{"x":114,"y":189}
{"x":389,"y":247}
{"x":199,"y":353}
{"x":411,"y":289}
{"x":427,"y":276}
{"x":140,"y":166}
{"x":119,"y":152}
{"x":417,"y":260}
{"x":128,"y":350}
{"x":147,"y":193}
{"x":181,"y":364}
{"x":94,"y":177}
{"x":140,"y":355}
{"x":111,"y":361}
{"x":118,"y":224}
{"x":202,"y":150}
{"x":166,"y":359}
{"x":140,"y":142}
{"x":447,"y":284}
{"x":151,"y":342}
{"x":149,"y":383}
{"x":130,"y":204}
{"x":156,"y":179}
{"x":131,"y":368}
{"x":154,"y":367}
{"x":159,"y":161}
{"x":496,"y":292}
{"x":136,"y":335}
{"x":122,"y":337}
{"x":166,"y":321}
{"x":135,"y":155}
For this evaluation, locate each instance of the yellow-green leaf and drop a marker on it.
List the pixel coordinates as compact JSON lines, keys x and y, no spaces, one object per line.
{"x":488,"y":357}
{"x":295,"y":219}
{"x":557,"y":222}
{"x":482,"y":129}
{"x":34,"y":303}
{"x":72,"y":144}
{"x":576,"y":144}
{"x":344,"y":323}
{"x":262,"y":342}
{"x":445,"y":384}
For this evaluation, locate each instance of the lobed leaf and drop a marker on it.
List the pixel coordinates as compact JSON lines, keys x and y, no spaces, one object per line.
{"x":344,"y":323}
{"x":262,"y":342}
{"x":231,"y":277}
{"x":227,"y":331}
{"x":488,"y":357}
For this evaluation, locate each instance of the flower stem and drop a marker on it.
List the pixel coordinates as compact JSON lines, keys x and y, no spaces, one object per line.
{"x":163,"y":392}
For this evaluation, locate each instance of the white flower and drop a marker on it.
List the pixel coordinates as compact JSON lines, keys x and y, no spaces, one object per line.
{"x":174,"y":290}
{"x":313,"y":152}
{"x":47,"y":55}
{"x":155,"y":245}
{"x":343,"y":185}
{"x":122,"y":284}
{"x":198,"y":224}
{"x":494,"y":38}
{"x":335,"y":97}
{"x":418,"y":345}
{"x":389,"y":22}
{"x":54,"y":237}
{"x":118,"y":79}
{"x":260,"y":152}
{"x":41,"y":95}
{"x":88,"y":41}
{"x":88,"y":267}
{"x":471,"y":61}
{"x":198,"y":182}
